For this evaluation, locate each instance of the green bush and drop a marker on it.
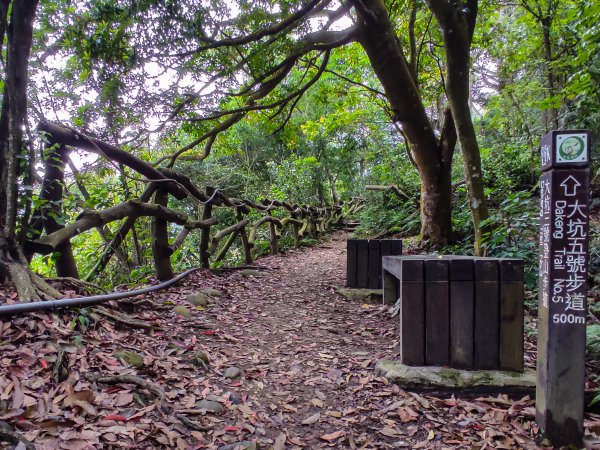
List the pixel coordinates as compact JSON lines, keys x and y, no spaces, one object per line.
{"x":513,"y":233}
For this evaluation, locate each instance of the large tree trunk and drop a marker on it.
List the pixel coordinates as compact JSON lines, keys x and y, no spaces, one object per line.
{"x":3,"y":123}
{"x":160,"y":240}
{"x":14,"y":267}
{"x":55,"y":159}
{"x":378,"y":38}
{"x":457,"y":25}
{"x":20,"y":32}
{"x":436,"y":205}
{"x":13,"y":264}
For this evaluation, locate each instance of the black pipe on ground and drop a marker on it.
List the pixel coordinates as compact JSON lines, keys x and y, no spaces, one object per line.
{"x":46,"y":305}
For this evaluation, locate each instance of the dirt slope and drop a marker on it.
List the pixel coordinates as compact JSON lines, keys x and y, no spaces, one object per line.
{"x":290,"y":366}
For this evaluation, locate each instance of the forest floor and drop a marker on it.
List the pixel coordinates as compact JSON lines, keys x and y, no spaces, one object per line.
{"x":289,"y":366}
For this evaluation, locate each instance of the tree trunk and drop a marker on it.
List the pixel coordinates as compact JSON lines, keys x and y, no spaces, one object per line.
{"x":13,"y":264}
{"x":205,"y":234}
{"x":160,"y":240}
{"x":457,"y":25}
{"x":55,"y":159}
{"x":3,"y":159}
{"x":4,"y":4}
{"x":378,"y":38}
{"x":436,"y":206}
{"x":335,"y":196}
{"x":244,"y":238}
{"x":20,"y":32}
{"x":546,"y":23}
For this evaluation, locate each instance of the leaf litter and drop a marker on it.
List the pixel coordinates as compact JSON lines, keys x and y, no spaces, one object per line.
{"x":302,"y":358}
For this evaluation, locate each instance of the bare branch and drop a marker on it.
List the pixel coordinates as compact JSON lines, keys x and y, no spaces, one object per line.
{"x":68,"y":136}
{"x":269,"y":31}
{"x":315,"y":41}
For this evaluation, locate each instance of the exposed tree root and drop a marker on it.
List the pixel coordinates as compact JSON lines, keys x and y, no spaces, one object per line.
{"x":130,"y":379}
{"x":124,"y":319}
{"x":190,"y":423}
{"x":29,"y":286}
{"x":143,"y":302}
{"x":60,"y":371}
{"x":15,"y":438}
{"x":154,"y":389}
{"x":80,"y":285}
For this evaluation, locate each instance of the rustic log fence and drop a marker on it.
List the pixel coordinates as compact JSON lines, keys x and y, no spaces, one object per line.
{"x":215,"y":240}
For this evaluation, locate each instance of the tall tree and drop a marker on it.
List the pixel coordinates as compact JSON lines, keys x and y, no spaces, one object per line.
{"x":225,"y":64}
{"x":19,"y":33}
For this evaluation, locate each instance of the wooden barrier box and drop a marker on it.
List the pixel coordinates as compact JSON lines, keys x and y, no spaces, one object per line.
{"x":363,"y":265}
{"x":458,"y":311}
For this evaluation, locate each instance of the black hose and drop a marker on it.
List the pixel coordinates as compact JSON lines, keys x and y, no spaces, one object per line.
{"x":7,"y":310}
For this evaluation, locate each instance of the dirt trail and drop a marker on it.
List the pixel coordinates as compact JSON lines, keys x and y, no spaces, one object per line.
{"x":305,"y":355}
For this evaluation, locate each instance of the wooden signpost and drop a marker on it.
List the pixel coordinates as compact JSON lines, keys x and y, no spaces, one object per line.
{"x":564,"y":228}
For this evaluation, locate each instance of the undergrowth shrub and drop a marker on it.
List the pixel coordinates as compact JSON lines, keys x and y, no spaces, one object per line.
{"x":513,"y":233}
{"x":387,"y":217}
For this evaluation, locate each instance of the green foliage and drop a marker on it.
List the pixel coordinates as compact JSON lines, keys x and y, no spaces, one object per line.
{"x":593,"y":351}
{"x":81,"y":321}
{"x":514,"y":233}
{"x":389,"y":216}
{"x":594,"y":266}
{"x":593,"y":341}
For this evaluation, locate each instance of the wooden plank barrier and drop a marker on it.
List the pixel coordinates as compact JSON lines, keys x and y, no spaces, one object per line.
{"x":363,"y":263}
{"x":457,"y":311}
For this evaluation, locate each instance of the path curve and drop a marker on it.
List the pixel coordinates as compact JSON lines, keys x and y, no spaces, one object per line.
{"x":306,"y":357}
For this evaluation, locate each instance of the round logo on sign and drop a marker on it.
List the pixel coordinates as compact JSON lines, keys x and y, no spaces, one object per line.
{"x":571,"y":148}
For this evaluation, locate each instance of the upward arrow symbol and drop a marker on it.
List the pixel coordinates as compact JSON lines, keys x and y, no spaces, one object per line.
{"x":570,"y":185}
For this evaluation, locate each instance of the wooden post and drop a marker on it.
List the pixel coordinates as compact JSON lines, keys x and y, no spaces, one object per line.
{"x":403,"y":279}
{"x":223,"y":252}
{"x":314,"y":221}
{"x":511,"y":314}
{"x":244,"y":238}
{"x":272,"y":236}
{"x":564,"y":241}
{"x":412,"y":311}
{"x":362,"y":263}
{"x":351,"y":262}
{"x":205,"y":233}
{"x":374,"y":264}
{"x":396,"y":247}
{"x":160,"y":240}
{"x":295,"y":228}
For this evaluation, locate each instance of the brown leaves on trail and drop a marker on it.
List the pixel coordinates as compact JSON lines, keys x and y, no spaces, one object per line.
{"x":299,"y":360}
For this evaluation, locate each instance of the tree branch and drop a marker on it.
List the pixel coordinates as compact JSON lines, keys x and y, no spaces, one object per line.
{"x":91,"y":219}
{"x":68,"y":136}
{"x":242,"y":40}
